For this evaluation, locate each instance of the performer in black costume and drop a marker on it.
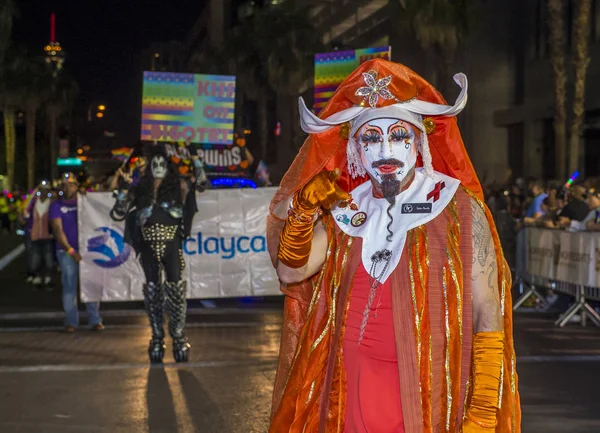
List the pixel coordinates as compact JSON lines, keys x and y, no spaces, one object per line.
{"x":159,"y":211}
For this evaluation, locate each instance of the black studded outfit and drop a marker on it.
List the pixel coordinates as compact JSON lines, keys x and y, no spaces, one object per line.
{"x":157,"y":229}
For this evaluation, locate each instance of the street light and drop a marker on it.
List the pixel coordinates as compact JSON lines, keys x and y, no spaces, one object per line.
{"x":99,"y":115}
{"x":101,"y":107}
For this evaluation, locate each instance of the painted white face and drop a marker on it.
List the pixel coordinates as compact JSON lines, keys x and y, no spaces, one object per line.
{"x":158,"y":165}
{"x":388,"y":146}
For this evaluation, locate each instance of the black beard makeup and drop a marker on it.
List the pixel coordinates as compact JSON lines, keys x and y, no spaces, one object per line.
{"x":390,"y":186}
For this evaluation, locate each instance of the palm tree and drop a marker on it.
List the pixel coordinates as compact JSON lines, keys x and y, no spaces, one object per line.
{"x":556,"y":25}
{"x":440,"y":25}
{"x":8,"y":11}
{"x":581,"y":60}
{"x":10,"y":101}
{"x":36,"y":92}
{"x":270,"y":49}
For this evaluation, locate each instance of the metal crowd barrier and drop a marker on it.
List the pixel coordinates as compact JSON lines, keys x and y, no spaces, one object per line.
{"x":530,"y":285}
{"x":582,"y":294}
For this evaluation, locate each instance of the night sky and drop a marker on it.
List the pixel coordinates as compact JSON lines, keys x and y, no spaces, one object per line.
{"x":103,"y":41}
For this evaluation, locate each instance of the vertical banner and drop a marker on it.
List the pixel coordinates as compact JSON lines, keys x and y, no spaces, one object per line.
{"x":176,"y":107}
{"x":331,"y":69}
{"x":226,"y":255}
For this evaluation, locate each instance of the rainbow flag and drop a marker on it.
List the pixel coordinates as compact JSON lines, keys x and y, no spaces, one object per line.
{"x":122,"y":154}
{"x":180,"y":106}
{"x":331,"y":69}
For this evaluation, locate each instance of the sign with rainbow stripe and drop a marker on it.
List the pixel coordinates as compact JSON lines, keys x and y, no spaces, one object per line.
{"x":331,"y":69}
{"x":177,"y":106}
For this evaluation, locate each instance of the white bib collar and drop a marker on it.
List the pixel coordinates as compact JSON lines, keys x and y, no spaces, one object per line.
{"x":366,"y":217}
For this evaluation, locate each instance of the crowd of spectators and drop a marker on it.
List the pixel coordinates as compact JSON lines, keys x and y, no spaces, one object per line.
{"x":533,"y":203}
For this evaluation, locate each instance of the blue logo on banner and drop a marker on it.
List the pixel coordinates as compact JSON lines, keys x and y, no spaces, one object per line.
{"x":111,"y":246}
{"x":226,"y":247}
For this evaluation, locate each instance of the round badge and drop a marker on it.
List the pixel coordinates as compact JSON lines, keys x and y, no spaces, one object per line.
{"x":408,"y":208}
{"x":359,"y":219}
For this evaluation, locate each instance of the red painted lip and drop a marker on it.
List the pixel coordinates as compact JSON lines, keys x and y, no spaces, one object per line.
{"x":387,"y":169}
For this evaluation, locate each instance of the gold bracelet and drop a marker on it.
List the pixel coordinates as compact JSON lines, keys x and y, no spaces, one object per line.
{"x":302,"y":216}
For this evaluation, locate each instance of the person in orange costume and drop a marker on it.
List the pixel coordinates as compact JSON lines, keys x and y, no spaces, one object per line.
{"x":397,"y":312}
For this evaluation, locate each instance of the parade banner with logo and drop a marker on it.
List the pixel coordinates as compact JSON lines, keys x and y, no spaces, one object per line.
{"x":564,"y":256}
{"x":226,"y":255}
{"x":179,"y":106}
{"x":331,"y":69}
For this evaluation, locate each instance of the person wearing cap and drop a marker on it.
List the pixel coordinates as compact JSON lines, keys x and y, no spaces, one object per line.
{"x":39,"y":236}
{"x":63,"y":220}
{"x":397,"y":312}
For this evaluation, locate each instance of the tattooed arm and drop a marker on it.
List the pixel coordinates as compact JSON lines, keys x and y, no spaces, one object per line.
{"x":488,"y":341}
{"x":486,"y":299}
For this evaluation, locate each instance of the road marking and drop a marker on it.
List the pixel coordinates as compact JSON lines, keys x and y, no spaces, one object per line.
{"x":40,"y":315}
{"x":143,"y":326}
{"x":7,"y":259}
{"x":131,"y":366}
{"x":229,"y":363}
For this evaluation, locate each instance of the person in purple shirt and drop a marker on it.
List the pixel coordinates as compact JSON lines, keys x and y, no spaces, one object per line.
{"x":63,"y":220}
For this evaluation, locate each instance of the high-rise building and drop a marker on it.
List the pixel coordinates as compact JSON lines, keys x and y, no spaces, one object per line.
{"x":55,"y":55}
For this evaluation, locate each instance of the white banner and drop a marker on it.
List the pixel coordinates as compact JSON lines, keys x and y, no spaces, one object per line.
{"x":564,"y":256}
{"x":541,"y":252}
{"x":226,"y":255}
{"x":575,"y":258}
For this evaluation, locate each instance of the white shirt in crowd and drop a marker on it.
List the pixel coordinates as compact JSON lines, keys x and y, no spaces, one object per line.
{"x":578,"y":226}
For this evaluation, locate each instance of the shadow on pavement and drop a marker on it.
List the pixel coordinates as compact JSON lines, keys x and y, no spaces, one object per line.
{"x":206,"y":414}
{"x":161,"y":410}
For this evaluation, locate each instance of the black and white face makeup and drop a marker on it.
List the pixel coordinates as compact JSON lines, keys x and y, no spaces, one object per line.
{"x":158,"y":166}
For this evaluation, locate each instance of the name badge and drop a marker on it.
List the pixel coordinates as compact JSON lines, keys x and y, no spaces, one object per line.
{"x":416,"y":208}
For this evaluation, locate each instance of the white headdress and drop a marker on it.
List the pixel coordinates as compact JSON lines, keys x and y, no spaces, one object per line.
{"x":412,"y":111}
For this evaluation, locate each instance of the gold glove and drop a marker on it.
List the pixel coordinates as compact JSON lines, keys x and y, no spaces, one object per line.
{"x":488,"y":352}
{"x":321,"y":192}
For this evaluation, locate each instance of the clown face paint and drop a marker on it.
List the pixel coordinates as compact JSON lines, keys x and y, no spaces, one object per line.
{"x":158,"y":165}
{"x":388,"y":147}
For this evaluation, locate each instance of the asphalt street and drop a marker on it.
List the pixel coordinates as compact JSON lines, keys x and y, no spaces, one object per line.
{"x":101,"y":382}
{"x":86,"y":382}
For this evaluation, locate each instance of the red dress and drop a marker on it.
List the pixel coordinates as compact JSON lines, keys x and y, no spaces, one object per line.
{"x":373,"y":402}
